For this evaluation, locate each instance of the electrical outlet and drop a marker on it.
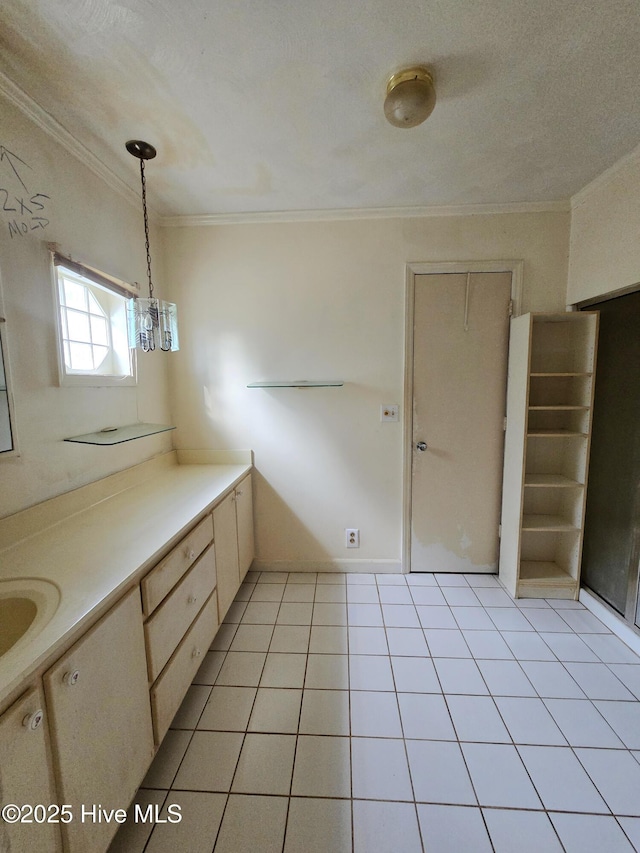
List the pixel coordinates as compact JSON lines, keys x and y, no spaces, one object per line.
{"x":389,"y":413}
{"x":352,"y":537}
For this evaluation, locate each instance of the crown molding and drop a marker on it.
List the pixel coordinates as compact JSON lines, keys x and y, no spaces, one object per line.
{"x":47,"y":123}
{"x":253,"y":218}
{"x":606,"y":177}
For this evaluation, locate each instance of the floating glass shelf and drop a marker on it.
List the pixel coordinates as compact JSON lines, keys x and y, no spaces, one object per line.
{"x":298,"y":383}
{"x":117,"y":435}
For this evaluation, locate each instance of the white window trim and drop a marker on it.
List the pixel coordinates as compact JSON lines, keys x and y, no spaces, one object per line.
{"x":91,"y":380}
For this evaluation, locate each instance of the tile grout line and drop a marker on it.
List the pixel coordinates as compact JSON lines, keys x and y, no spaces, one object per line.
{"x":244,"y":738}
{"x":404,"y":739}
{"x":227,"y":794}
{"x":388,"y":656}
{"x":297,"y":733}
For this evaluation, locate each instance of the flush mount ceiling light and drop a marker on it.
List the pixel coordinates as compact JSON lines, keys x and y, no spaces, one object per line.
{"x":152,"y":323}
{"x":411,"y":97}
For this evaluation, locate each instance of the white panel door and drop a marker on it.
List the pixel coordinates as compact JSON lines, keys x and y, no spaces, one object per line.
{"x":460,"y":347}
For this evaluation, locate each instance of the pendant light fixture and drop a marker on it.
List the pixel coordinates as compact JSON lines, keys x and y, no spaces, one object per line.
{"x":152,"y":323}
{"x":411,"y":97}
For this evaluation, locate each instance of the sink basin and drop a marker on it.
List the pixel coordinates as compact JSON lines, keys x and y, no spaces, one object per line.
{"x":26,"y":606}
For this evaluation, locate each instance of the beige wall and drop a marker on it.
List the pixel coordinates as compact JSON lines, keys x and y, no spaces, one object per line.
{"x":605,"y":229}
{"x":323,"y":300}
{"x":96,"y":225}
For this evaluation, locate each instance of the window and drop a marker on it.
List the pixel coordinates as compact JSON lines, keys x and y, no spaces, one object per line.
{"x":92,"y":330}
{"x":86,"y":337}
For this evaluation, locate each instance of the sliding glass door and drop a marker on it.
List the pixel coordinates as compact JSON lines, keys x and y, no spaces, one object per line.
{"x":612,"y":526}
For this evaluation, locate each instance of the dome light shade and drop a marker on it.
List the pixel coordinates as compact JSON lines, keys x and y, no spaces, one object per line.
{"x":411,"y":97}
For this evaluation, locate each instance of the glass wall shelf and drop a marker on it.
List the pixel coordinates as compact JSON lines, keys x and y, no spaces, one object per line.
{"x":298,"y":383}
{"x":117,"y":435}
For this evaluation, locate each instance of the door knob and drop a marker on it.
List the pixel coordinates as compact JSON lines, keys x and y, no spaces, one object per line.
{"x":33,"y":721}
{"x":421,"y":445}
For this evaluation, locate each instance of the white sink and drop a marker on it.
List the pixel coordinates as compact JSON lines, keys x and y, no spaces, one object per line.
{"x":26,"y":606}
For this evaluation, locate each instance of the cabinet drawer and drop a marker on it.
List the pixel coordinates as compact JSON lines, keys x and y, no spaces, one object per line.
{"x":161,"y":580}
{"x":170,"y":689}
{"x":170,"y":622}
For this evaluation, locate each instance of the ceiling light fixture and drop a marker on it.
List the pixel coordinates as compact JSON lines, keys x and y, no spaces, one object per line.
{"x":411,"y":97}
{"x":152,"y":323}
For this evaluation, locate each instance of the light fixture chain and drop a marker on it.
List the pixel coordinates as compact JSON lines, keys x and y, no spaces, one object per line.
{"x":146,"y":226}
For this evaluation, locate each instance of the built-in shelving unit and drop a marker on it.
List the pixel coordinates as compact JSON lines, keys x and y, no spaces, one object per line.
{"x":549,"y":404}
{"x":298,"y":383}
{"x":117,"y":435}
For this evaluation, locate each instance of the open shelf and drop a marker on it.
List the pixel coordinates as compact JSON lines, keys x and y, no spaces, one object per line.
{"x":551,"y":481}
{"x":549,"y":402}
{"x":552,"y":375}
{"x":556,"y":433}
{"x":546,"y":578}
{"x":562,"y":343}
{"x":298,"y":383}
{"x":552,"y":523}
{"x":558,"y":408}
{"x":535,"y":570}
{"x":560,"y":391}
{"x":117,"y":435}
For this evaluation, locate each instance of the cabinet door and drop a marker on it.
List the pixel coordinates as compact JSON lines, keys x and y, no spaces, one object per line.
{"x":98,"y":700}
{"x":225,"y":542}
{"x":244,"y":518}
{"x":26,"y":776}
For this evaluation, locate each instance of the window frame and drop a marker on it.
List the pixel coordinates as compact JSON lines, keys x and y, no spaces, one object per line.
{"x":97,"y":283}
{"x":14,"y":450}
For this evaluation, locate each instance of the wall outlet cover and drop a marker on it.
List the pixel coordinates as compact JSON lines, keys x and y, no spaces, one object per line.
{"x":352,"y":537}
{"x":390,"y":413}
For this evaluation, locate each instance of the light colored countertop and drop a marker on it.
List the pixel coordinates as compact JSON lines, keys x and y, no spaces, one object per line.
{"x":95,"y":554}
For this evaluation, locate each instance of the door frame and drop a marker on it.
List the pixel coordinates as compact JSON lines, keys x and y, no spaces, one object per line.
{"x":413,"y":269}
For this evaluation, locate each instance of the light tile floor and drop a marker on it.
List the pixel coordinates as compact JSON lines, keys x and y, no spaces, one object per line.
{"x":390,"y":714}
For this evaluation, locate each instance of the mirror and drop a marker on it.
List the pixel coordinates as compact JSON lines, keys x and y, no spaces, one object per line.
{"x":6,"y":435}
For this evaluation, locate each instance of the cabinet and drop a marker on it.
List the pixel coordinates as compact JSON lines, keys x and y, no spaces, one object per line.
{"x":26,"y":775}
{"x":244,"y":524}
{"x":234,"y":542}
{"x":98,"y":701}
{"x":82,"y":732}
{"x":549,"y":408}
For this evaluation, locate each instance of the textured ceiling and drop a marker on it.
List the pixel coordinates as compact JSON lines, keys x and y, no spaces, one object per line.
{"x":276,"y":105}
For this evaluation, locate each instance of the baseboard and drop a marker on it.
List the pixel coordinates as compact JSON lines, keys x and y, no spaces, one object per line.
{"x":368,"y":566}
{"x":613,"y":622}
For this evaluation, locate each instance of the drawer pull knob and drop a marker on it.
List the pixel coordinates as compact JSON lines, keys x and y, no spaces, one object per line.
{"x":192,"y":599}
{"x":238,"y":493}
{"x":33,"y":721}
{"x":196,"y":653}
{"x":190,"y":554}
{"x":71,"y":678}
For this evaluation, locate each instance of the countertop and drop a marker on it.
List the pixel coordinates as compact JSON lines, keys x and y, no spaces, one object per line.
{"x":94,"y":555}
